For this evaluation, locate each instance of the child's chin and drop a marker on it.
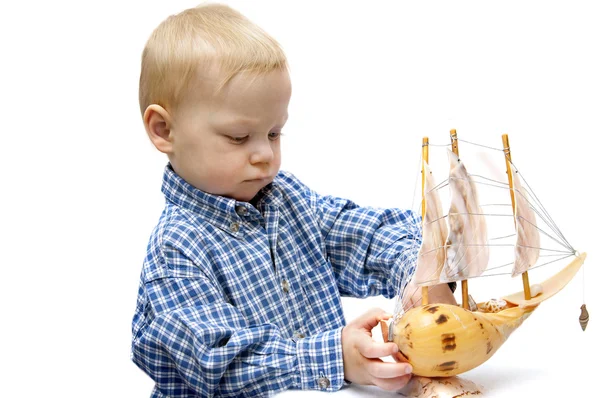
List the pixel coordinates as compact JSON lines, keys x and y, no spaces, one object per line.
{"x":245,"y":197}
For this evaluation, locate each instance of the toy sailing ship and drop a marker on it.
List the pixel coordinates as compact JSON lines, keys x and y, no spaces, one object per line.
{"x":442,"y":340}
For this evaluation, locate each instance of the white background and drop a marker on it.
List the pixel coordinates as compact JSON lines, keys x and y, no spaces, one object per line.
{"x":81,"y":181}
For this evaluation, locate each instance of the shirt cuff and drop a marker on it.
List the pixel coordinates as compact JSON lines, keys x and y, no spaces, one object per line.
{"x":321,"y":361}
{"x":404,"y":270}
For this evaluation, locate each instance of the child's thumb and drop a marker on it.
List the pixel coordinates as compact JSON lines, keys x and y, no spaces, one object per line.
{"x":371,"y":318}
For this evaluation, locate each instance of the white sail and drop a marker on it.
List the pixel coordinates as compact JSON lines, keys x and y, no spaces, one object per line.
{"x":432,"y":254}
{"x":527,"y":248}
{"x":467,"y":253}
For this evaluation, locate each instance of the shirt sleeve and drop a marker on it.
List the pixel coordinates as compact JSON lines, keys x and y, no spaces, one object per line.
{"x":191,"y":342}
{"x":373,"y":251}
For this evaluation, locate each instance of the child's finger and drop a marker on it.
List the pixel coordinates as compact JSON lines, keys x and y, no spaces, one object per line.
{"x":387,"y":370}
{"x":370,"y":319}
{"x":394,"y":384}
{"x":372,"y":349}
{"x":399,"y":357}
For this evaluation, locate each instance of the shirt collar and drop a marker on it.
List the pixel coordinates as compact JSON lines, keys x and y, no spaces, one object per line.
{"x":225,"y":213}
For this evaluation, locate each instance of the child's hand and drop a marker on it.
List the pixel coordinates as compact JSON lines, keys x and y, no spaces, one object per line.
{"x":437,"y":294}
{"x":361,"y":355}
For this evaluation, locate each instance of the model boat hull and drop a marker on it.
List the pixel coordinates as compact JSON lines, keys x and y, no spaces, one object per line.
{"x":441,"y":340}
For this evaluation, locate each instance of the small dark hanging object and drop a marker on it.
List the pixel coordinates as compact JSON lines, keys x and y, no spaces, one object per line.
{"x":584,"y":317}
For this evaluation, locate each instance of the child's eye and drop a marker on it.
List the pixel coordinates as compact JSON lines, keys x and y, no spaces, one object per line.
{"x":238,"y":140}
{"x":275,"y":135}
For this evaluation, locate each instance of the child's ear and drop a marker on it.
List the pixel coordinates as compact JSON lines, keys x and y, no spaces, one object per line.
{"x":157,"y":122}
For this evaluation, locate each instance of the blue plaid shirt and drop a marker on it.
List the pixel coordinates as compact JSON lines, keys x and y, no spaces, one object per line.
{"x":238,"y":300}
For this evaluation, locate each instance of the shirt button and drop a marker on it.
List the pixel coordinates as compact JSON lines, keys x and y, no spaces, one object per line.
{"x":241,"y":210}
{"x":285,"y":286}
{"x":234,"y":227}
{"x":299,"y":335}
{"x":323,"y":382}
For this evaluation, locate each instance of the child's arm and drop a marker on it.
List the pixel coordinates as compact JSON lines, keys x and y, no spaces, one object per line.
{"x":372,"y":251}
{"x":193,"y":343}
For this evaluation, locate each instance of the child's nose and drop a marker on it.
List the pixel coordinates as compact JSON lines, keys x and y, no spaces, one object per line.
{"x":262,"y":153}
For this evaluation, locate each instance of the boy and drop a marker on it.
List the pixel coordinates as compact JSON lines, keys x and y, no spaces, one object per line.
{"x":240,"y":289}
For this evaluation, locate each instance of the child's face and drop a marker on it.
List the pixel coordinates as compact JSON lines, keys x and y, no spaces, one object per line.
{"x":229,"y":144}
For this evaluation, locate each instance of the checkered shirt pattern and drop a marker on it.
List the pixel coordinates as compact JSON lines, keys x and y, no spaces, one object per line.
{"x":237,"y":300}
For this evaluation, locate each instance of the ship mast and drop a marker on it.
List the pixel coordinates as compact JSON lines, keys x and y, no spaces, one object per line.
{"x":508,"y":159}
{"x":464,"y":283}
{"x":424,"y":289}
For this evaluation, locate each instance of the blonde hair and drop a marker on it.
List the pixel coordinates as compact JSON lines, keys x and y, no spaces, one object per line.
{"x":198,"y":39}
